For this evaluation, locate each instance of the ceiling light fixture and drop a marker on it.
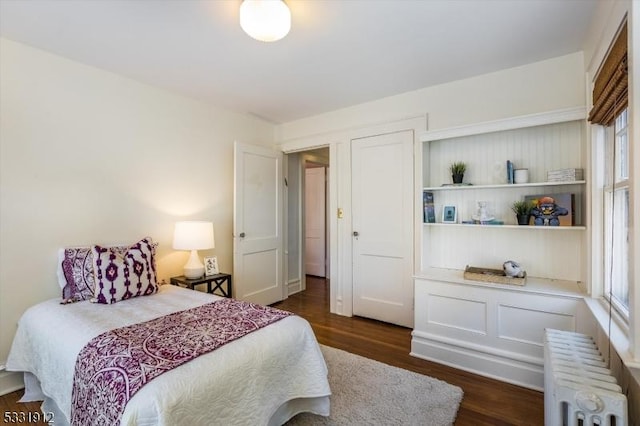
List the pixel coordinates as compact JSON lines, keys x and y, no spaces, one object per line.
{"x":265,"y":20}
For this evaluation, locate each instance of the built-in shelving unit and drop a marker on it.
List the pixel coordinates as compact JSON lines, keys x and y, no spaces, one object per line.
{"x":540,"y":143}
{"x":502,"y":186}
{"x":489,"y":328}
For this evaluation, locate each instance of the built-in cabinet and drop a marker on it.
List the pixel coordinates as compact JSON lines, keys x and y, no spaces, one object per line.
{"x":488,"y":328}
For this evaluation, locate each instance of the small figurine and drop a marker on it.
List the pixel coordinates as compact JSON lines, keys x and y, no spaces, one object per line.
{"x":546,"y":212}
{"x":513,"y":269}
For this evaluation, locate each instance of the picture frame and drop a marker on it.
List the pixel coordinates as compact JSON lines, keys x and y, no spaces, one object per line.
{"x":449,"y":214}
{"x":567,"y":205}
{"x":211,"y":266}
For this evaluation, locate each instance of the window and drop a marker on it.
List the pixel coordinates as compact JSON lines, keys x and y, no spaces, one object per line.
{"x":610,"y":101}
{"x":616,"y":215}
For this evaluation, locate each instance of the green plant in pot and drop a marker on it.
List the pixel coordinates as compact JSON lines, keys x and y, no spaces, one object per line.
{"x":457,"y":171}
{"x":522,"y":209}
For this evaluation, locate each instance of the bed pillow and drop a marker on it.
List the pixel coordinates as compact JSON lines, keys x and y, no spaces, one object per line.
{"x":123,"y":274}
{"x":75,"y":272}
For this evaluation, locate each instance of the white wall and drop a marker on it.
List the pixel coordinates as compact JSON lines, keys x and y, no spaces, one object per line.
{"x":87,"y":156}
{"x":542,"y":86}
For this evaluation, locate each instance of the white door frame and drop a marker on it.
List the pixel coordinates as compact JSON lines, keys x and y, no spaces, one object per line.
{"x":340,"y":238}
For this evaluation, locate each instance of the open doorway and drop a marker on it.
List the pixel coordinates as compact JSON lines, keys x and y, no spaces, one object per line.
{"x":307,"y":217}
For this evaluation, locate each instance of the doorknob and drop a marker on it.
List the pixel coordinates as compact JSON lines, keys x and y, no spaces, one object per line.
{"x":242,"y":235}
{"x":355,"y":233}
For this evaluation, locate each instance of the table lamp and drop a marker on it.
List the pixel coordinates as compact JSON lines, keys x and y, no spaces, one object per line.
{"x":194,"y":236}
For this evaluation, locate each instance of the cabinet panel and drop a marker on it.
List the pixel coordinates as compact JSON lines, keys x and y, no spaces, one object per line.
{"x":445,"y":312}
{"x":492,"y":331}
{"x":512,"y":318}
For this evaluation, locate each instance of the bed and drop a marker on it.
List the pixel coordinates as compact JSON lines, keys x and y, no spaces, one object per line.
{"x":263,"y":378}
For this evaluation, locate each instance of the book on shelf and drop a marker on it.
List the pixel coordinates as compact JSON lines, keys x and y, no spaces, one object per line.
{"x":510,"y":172}
{"x":457,"y":184}
{"x":429,"y":208}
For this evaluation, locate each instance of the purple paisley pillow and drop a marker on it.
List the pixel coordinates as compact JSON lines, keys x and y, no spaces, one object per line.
{"x":75,"y":273}
{"x":123,"y":274}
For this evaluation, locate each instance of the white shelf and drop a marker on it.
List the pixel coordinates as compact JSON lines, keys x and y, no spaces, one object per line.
{"x":537,"y":228}
{"x":502,"y":185}
{"x":532,"y":285}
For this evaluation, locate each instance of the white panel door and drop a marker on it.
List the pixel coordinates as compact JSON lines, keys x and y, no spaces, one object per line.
{"x":257,"y":224}
{"x":382,"y":179}
{"x":315,"y":233}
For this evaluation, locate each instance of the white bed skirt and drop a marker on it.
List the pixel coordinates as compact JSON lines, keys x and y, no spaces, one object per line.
{"x":319,"y":405}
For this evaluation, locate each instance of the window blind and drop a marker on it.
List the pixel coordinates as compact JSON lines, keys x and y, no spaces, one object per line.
{"x":610,"y":94}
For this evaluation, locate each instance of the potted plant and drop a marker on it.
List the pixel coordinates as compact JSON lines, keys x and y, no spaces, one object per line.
{"x":457,"y":171}
{"x":522,"y":209}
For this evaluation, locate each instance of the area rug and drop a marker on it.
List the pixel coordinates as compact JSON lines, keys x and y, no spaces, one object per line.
{"x":368,"y":392}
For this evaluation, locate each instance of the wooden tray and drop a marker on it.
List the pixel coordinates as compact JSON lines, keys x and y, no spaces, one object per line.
{"x":491,"y":275}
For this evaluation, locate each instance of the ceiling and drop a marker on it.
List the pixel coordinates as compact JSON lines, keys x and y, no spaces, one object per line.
{"x":338,"y":53}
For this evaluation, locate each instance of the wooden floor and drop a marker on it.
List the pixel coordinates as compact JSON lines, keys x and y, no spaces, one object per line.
{"x":18,"y":412}
{"x":485,"y":402}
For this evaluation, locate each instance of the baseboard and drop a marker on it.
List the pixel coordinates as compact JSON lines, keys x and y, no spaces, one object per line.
{"x":10,"y":382}
{"x":294,"y":286}
{"x":479,"y":360}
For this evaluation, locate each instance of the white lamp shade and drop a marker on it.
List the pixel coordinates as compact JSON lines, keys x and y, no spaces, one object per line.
{"x":265,"y":20}
{"x":193,"y":235}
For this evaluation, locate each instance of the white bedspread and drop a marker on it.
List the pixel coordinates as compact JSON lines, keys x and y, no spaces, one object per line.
{"x":244,"y":382}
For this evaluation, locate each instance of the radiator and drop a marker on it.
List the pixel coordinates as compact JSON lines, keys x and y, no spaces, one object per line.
{"x":579,"y":390}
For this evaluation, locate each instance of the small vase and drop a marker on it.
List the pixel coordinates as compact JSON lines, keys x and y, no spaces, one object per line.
{"x":523,"y":219}
{"x":457,"y":178}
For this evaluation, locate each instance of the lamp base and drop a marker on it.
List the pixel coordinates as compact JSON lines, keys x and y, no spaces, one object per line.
{"x":194,"y":267}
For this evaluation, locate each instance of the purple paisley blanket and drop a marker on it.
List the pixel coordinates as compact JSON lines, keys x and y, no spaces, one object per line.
{"x":113,"y":366}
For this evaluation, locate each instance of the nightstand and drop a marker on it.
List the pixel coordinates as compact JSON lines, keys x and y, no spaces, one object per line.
{"x":213,"y":282}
